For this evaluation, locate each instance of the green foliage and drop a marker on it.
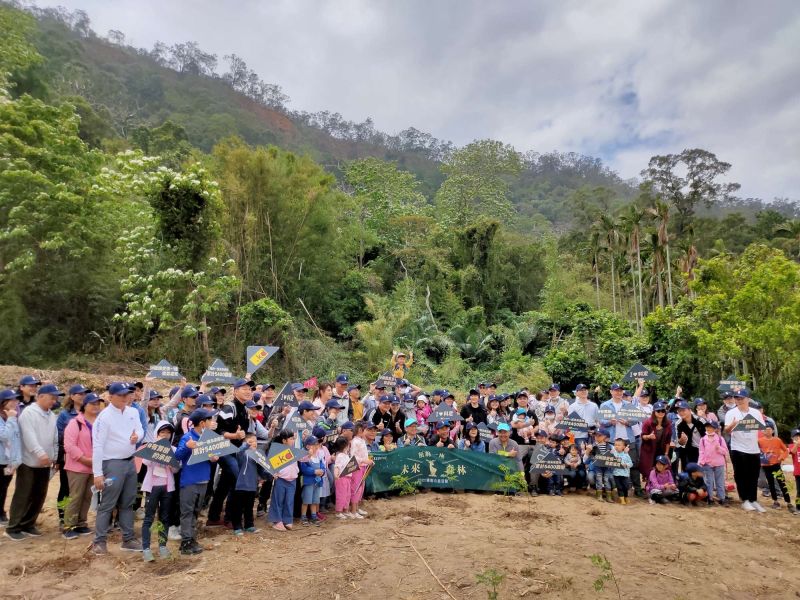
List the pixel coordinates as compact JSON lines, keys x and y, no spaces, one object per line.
{"x":16,"y":51}
{"x":63,"y":503}
{"x":513,"y":481}
{"x":403,"y":485}
{"x":606,"y":573}
{"x":264,"y":320}
{"x":492,"y":579}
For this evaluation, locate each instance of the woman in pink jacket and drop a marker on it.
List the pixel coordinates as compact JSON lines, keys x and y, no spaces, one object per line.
{"x":78,"y":465}
{"x":713,"y":456}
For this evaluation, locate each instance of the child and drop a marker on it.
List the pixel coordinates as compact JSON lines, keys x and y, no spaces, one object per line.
{"x":387,"y":441}
{"x":691,"y":486}
{"x":422,"y":412}
{"x":194,"y":479}
{"x":622,"y":474}
{"x":343,"y":483}
{"x":575,"y":477}
{"x":521,"y":416}
{"x":713,"y":454}
{"x":327,"y":478}
{"x":159,"y":484}
{"x":549,"y":422}
{"x":10,"y":446}
{"x":773,"y":453}
{"x":281,"y":504}
{"x":660,"y":485}
{"x":312,"y":469}
{"x":794,"y":450}
{"x":244,"y":493}
{"x":603,"y":476}
{"x":358,"y":448}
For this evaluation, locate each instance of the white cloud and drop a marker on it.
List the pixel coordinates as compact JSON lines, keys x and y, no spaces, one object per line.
{"x":620,"y":79}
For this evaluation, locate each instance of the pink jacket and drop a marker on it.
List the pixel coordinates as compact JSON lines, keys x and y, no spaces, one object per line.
{"x":77,"y":443}
{"x":712,"y":451}
{"x":657,"y":480}
{"x":422,"y":414}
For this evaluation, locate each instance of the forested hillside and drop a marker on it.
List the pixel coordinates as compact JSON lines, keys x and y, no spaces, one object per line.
{"x":166,"y":202}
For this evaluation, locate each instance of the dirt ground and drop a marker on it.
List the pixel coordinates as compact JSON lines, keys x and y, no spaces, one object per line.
{"x":542,"y":546}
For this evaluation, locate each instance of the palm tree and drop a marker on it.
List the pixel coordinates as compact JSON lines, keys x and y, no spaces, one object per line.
{"x":632,"y":218}
{"x":612,"y":239}
{"x":660,"y":211}
{"x":657,"y":264}
{"x":595,"y":246}
{"x":790,"y":229}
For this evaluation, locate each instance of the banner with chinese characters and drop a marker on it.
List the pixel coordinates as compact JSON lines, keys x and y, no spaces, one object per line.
{"x":430,"y":467}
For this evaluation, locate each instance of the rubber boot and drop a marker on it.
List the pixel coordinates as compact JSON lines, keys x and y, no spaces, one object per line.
{"x":599,"y":494}
{"x":612,"y":496}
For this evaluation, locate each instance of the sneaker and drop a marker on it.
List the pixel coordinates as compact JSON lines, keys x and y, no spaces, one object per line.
{"x":186,"y":548}
{"x":551,"y":493}
{"x":341,"y":516}
{"x":321,"y":516}
{"x":99,"y":548}
{"x":174,"y":533}
{"x":725,"y":503}
{"x":70,"y":534}
{"x":260,"y":512}
{"x":17,"y":536}
{"x":315,"y":522}
{"x":748,"y":506}
{"x":196,"y":548}
{"x":164,"y":552}
{"x":288,"y":526}
{"x":147,"y":555}
{"x":304,"y":522}
{"x":139,"y":514}
{"x":3,"y":519}
{"x":758,"y":507}
{"x":651,"y":501}
{"x":83,"y":530}
{"x":356,"y":515}
{"x":279,"y":527}
{"x":776,"y":505}
{"x":238,"y":532}
{"x":534,"y":493}
{"x":362,"y":512}
{"x":251,"y":530}
{"x":132,"y":545}
{"x":765,"y":493}
{"x":217,"y":523}
{"x":32,"y":532}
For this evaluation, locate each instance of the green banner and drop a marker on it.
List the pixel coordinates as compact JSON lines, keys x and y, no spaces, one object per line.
{"x":431,"y":467}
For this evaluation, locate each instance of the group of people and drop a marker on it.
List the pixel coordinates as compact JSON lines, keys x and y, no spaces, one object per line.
{"x":677,"y":451}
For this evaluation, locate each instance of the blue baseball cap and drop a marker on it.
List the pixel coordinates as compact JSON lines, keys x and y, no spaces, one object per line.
{"x":604,"y":432}
{"x":402,"y":382}
{"x":333,"y":404}
{"x":199,"y":415}
{"x":550,"y":409}
{"x":616,"y":386}
{"x":348,"y":425}
{"x":9,"y":395}
{"x":663,"y":460}
{"x":267,"y":386}
{"x":369,"y":425}
{"x":379,"y":385}
{"x":409,"y":422}
{"x":29,"y":380}
{"x":714,"y":424}
{"x":698,"y":401}
{"x":580,"y":387}
{"x":384,"y":398}
{"x":395,"y":400}
{"x":436,"y":393}
{"x":522,"y":411}
{"x":244,"y":382}
{"x":554,"y":386}
{"x":473,"y":392}
{"x":446,"y":394}
{"x":469,"y":426}
{"x":503,"y":427}
{"x":91,"y":398}
{"x":117,"y":389}
{"x":441,"y":424}
{"x":386,"y":432}
{"x":296,"y":387}
{"x":659,"y":406}
{"x":190,"y":392}
{"x":517,"y":395}
{"x":217,"y":390}
{"x":645,"y":393}
{"x":250,"y":404}
{"x":318,"y":432}
{"x":152,"y":395}
{"x":342,"y":378}
{"x":353,"y":387}
{"x":306,"y":405}
{"x":173,"y":391}
{"x":541,"y":433}
{"x":682,"y":404}
{"x":78,"y":389}
{"x":741,"y":393}
{"x":310,"y":441}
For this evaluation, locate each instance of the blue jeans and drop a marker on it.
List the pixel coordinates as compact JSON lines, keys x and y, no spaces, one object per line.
{"x":603,"y":478}
{"x":311,"y":493}
{"x":281,"y":504}
{"x":715,"y":481}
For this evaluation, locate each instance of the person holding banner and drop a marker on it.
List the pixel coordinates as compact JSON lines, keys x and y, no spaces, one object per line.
{"x":159,"y":484}
{"x":411,"y":437}
{"x":281,"y":504}
{"x":472,"y":439}
{"x":504,"y":445}
{"x":745,"y":453}
{"x":244,"y":494}
{"x":586,"y":410}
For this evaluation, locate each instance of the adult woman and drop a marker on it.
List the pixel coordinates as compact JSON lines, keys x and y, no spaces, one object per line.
{"x":78,"y":466}
{"x":702,"y":412}
{"x":495,"y":414}
{"x":71,"y":408}
{"x":321,"y":396}
{"x":656,"y":438}
{"x":473,"y":440}
{"x":10,"y":445}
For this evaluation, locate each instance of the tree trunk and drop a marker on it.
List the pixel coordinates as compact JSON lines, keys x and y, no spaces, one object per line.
{"x":633,"y":290}
{"x":613,"y":288}
{"x":669,"y":276}
{"x":639,"y":265}
{"x":597,"y":280}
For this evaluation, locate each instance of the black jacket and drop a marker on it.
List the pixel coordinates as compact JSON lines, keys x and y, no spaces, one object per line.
{"x":478,"y":413}
{"x":231,"y":417}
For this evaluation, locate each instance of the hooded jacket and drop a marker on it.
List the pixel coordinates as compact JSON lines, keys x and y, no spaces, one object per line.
{"x":196,"y":473}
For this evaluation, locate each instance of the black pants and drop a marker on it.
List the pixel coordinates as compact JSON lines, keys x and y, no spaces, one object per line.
{"x":63,"y":490}
{"x":265,"y":492}
{"x":159,"y":501}
{"x":139,"y":480}
{"x":29,"y":497}
{"x":622,"y":485}
{"x":224,"y":490}
{"x":746,"y":468}
{"x":774,"y":473}
{"x":210,"y":487}
{"x":241,"y":508}
{"x":5,"y":481}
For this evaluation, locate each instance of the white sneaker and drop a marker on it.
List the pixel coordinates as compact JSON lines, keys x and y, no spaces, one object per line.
{"x":362,"y":512}
{"x":758,"y":507}
{"x":747,"y":505}
{"x":355,"y":515}
{"x":342,"y":516}
{"x":174,"y":533}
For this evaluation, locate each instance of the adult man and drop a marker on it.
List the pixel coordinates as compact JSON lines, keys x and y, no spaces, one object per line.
{"x":728,"y":402}
{"x":557,"y":401}
{"x":382,"y":415}
{"x":745,"y":453}
{"x":37,"y":426}
{"x":504,"y":445}
{"x":28,"y":384}
{"x":473,"y":411}
{"x":621,"y":428}
{"x":397,"y":418}
{"x":586,"y":410}
{"x":341,"y":395}
{"x":233,"y":422}
{"x":115,"y":433}
{"x":370,"y":435}
{"x":441,"y":438}
{"x":356,"y":405}
{"x":411,"y":437}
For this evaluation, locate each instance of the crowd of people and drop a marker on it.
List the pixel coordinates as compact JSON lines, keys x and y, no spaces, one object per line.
{"x":676,"y":451}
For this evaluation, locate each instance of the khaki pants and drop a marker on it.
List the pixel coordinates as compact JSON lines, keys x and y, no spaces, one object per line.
{"x":80,"y":497}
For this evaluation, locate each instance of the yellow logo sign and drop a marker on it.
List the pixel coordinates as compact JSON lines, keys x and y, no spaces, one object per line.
{"x":281,"y":459}
{"x":259,"y":356}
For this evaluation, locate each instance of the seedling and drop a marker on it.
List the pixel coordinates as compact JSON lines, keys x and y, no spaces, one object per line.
{"x":606,"y":573}
{"x":492,"y":580}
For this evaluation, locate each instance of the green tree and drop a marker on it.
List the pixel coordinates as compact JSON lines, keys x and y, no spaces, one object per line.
{"x":16,"y":51}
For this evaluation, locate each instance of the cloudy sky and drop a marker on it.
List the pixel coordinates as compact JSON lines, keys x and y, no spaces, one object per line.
{"x":622,"y":80}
